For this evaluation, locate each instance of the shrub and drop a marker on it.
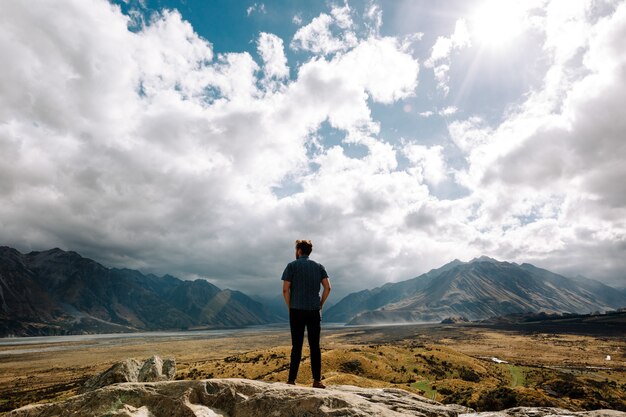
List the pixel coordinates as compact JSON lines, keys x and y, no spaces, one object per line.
{"x":352,"y":367}
{"x":469,"y":375}
{"x":498,"y":399}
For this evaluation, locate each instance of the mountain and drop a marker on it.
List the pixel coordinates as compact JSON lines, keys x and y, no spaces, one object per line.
{"x":481,"y":288}
{"x":275,"y":303}
{"x":59,"y":292}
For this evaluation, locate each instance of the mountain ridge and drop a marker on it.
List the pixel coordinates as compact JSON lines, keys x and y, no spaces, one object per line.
{"x":61,"y":292}
{"x":478,"y":289}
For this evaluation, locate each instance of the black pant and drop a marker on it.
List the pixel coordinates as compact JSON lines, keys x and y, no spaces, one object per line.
{"x":298,"y":320}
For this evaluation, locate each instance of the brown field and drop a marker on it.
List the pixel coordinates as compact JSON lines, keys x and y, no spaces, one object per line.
{"x":450,"y":363}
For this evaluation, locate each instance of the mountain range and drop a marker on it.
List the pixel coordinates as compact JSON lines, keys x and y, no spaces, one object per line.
{"x":60,"y":292}
{"x":478,"y":289}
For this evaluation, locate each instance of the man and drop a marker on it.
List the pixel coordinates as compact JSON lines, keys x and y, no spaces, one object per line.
{"x":302,"y":280}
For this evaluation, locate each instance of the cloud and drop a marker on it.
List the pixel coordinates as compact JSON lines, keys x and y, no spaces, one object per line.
{"x":549,"y":172}
{"x":448,"y":111}
{"x":390,"y":77}
{"x":148,"y":149}
{"x":429,"y":163}
{"x":327,"y":34}
{"x":373,"y":19}
{"x":441,"y":52}
{"x":469,"y":134}
{"x":256,"y":7}
{"x":342,"y":17}
{"x":270,"y":47}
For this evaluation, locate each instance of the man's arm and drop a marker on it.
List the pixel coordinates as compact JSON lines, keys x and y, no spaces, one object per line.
{"x":286,"y":293}
{"x":326,"y":285}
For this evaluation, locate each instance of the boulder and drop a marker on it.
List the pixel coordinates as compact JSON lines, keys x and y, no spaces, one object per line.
{"x":130,"y":370}
{"x":155,"y":369}
{"x":246,"y":398}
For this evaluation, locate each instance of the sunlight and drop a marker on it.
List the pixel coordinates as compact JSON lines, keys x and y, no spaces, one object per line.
{"x":496,"y":23}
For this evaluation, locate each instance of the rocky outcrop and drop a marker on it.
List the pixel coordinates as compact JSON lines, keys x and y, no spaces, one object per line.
{"x":238,"y":397}
{"x":246,"y":398}
{"x":130,"y":370}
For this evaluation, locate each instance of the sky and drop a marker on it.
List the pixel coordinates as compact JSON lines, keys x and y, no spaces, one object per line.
{"x":202,"y":138}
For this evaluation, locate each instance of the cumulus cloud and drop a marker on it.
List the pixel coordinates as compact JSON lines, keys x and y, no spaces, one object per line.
{"x":327,"y":34}
{"x":440,"y":55}
{"x":429,"y":163}
{"x":272,"y":52}
{"x":549,"y":172}
{"x":147,"y":149}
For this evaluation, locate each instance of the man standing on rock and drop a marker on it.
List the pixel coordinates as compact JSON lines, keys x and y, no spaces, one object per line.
{"x":302,"y":280}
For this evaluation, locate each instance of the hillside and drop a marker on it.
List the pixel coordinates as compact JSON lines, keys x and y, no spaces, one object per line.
{"x":59,"y":292}
{"x":478,"y":289}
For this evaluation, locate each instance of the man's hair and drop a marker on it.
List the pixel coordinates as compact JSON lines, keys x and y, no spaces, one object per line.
{"x":305,"y":246}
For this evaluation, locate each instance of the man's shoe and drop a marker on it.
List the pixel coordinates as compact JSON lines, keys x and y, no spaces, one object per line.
{"x":291,"y":382}
{"x":318,"y":384}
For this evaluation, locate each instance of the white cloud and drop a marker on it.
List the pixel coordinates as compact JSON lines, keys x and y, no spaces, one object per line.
{"x":256,"y":7}
{"x":428,"y":162}
{"x":441,"y":52}
{"x":271,"y":49}
{"x":550,"y":173}
{"x":327,"y":34}
{"x":146,"y":149}
{"x":470,"y":134}
{"x":373,"y":19}
{"x":448,"y":111}
{"x":342,"y":17}
{"x":389,"y":77}
{"x":297,"y":19}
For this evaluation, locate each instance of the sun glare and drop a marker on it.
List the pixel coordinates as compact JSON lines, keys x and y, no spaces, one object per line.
{"x":496,"y":23}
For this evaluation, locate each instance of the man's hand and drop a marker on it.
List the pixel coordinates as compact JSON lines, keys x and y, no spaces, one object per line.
{"x":326,"y":292}
{"x":287,"y":293}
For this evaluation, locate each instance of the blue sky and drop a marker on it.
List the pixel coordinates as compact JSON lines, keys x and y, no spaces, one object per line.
{"x":202,"y":138}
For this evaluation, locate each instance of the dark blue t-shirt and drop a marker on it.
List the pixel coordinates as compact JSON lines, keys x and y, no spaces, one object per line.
{"x":306,"y":278}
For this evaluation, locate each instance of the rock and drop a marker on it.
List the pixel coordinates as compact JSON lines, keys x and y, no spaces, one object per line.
{"x":241,"y":398}
{"x":131,"y":370}
{"x":155,"y":369}
{"x":169,"y":368}
{"x":246,"y":398}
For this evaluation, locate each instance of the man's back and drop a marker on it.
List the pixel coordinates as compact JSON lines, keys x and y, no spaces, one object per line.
{"x":305,"y":276}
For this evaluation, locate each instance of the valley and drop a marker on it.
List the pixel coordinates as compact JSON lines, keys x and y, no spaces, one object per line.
{"x":448,"y":363}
